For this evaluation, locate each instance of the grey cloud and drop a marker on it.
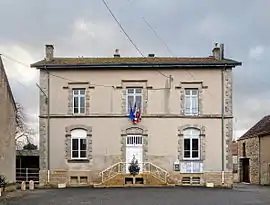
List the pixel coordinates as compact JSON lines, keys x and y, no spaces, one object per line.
{"x":189,"y":27}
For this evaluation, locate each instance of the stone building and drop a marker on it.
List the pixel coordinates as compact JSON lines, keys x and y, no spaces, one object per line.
{"x":254,"y":153}
{"x":87,"y":125}
{"x":7,"y":128}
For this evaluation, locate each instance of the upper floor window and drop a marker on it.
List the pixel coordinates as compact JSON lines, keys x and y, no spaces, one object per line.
{"x":244,"y":149}
{"x":191,"y":143}
{"x":78,"y":144}
{"x":191,"y":102}
{"x":78,"y":100}
{"x":134,"y":98}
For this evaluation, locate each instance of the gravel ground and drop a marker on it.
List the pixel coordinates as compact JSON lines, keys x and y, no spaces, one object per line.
{"x":240,"y":195}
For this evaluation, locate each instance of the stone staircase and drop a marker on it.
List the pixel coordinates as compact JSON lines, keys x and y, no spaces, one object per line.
{"x":116,"y":176}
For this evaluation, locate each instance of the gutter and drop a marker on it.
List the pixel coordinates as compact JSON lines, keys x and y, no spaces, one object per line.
{"x":137,"y":65}
{"x":222,"y":124}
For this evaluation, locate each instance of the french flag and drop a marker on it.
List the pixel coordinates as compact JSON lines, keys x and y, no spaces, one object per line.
{"x":135,"y":114}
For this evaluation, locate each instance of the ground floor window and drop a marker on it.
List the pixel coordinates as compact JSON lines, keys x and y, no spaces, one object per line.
{"x":191,"y":143}
{"x":78,"y":144}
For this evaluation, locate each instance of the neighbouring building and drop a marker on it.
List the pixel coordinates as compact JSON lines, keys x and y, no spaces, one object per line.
{"x":7,"y":128}
{"x":87,"y":124}
{"x":235,"y":161}
{"x":254,"y":153}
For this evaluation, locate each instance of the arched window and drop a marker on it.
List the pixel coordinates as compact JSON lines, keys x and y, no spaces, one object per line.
{"x":191,"y":144}
{"x":78,"y":144}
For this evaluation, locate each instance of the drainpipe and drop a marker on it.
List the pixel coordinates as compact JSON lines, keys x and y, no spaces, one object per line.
{"x":48,"y":122}
{"x":222,"y":125}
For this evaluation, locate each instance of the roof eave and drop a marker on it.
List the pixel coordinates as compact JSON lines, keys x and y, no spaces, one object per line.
{"x":136,"y":65}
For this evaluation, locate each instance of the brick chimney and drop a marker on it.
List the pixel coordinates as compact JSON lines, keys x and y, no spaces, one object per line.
{"x":49,"y":52}
{"x":218,"y":51}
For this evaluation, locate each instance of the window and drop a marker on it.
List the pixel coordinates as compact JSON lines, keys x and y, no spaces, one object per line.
{"x":134,"y":98}
{"x":191,"y":144}
{"x":244,"y":149}
{"x":135,"y":140}
{"x":191,"y":102}
{"x":78,"y":144}
{"x":78,"y":101}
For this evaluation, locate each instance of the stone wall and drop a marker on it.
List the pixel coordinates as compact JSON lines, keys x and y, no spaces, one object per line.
{"x":252,"y":152}
{"x":74,"y":178}
{"x":7,"y":129}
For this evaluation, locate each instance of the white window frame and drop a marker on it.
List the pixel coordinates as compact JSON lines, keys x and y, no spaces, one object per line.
{"x":135,"y":138}
{"x":79,"y":95}
{"x":134,"y":95}
{"x":189,"y":97}
{"x":78,"y":134}
{"x":188,"y":134}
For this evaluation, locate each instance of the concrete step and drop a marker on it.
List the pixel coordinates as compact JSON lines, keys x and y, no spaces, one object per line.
{"x":119,"y":181}
{"x":133,"y":185}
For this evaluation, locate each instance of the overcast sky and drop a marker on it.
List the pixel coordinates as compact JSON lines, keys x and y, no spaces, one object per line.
{"x":189,"y":28}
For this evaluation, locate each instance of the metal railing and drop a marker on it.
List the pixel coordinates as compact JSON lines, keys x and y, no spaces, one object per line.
{"x":145,"y":167}
{"x":27,"y":174}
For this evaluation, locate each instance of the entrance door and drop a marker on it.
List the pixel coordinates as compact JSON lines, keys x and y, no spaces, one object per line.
{"x":244,"y":176}
{"x":134,"y":149}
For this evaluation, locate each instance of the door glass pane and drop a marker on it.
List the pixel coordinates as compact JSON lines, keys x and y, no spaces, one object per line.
{"x":75,"y":144}
{"x":75,"y":154}
{"x":82,"y":144}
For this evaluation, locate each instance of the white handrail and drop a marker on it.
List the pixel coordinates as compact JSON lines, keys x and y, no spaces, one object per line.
{"x":119,"y":170}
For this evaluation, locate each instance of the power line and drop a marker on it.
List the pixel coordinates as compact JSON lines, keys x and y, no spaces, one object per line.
{"x":129,"y":38}
{"x":60,"y":77}
{"x":155,"y":32}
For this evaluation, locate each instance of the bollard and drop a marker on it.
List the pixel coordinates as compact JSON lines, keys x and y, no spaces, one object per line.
{"x":31,"y":185}
{"x":23,"y":186}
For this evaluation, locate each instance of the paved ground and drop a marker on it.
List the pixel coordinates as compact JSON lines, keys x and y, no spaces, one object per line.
{"x":241,"y":195}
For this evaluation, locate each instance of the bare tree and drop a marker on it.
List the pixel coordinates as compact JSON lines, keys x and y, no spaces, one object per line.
{"x":24,"y":135}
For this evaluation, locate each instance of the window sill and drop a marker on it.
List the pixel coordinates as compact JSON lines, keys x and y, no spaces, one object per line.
{"x":78,"y":161}
{"x":190,"y":159}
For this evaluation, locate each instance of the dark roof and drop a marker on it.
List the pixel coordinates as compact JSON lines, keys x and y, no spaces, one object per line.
{"x":261,"y":128}
{"x":6,"y":80}
{"x":134,"y":62}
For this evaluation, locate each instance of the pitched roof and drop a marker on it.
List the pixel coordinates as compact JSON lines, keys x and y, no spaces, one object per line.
{"x":260,"y":128}
{"x":135,"y":61}
{"x":6,"y":80}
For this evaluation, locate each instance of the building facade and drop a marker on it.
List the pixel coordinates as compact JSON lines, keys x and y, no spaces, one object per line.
{"x":185,"y":128}
{"x":7,"y":128}
{"x":254,"y":153}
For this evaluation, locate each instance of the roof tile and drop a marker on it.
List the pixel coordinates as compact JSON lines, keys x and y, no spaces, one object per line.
{"x":260,"y":128}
